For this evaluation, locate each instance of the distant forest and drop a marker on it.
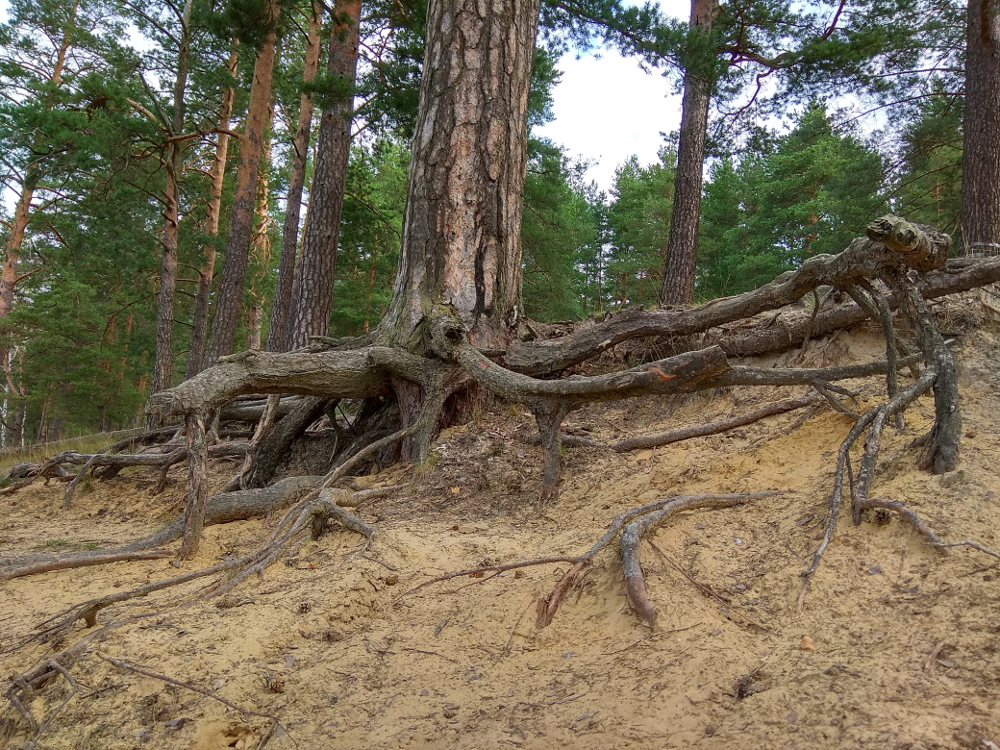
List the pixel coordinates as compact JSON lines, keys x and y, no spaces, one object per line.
{"x":187,"y":179}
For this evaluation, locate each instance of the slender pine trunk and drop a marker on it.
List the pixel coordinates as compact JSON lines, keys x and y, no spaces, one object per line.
{"x":163,"y":369}
{"x":234,"y":269}
{"x":677,"y":284}
{"x":312,"y":288}
{"x":277,"y":332}
{"x":199,"y":323}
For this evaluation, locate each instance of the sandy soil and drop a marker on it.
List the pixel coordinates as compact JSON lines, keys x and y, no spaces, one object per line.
{"x":341,"y":650}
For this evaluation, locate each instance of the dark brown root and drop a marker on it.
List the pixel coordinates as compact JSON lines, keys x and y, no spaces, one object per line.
{"x":880,"y":413}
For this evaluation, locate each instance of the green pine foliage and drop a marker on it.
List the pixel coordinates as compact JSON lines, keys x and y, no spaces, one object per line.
{"x":929,"y":180}
{"x":639,"y":223}
{"x":370,"y":233}
{"x":805,"y":193}
{"x":557,"y":225}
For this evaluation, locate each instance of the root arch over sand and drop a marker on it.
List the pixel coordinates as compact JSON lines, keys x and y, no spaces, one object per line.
{"x":898,"y":266}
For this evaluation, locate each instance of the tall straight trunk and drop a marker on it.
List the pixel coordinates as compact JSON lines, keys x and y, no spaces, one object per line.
{"x":677,"y":284}
{"x":22,"y":211}
{"x":462,"y":223}
{"x":234,"y":269}
{"x":278,"y":329}
{"x":981,"y":154}
{"x":163,"y":369}
{"x":312,"y":288}
{"x":260,"y":244}
{"x":199,"y":323}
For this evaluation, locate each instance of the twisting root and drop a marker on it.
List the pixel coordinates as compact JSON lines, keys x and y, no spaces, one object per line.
{"x":876,"y":419}
{"x":313,"y":511}
{"x":635,"y":583}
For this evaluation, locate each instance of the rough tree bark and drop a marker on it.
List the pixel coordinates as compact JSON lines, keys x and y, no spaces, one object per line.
{"x":277,"y":331}
{"x":462,"y":223}
{"x":981,"y":156}
{"x":312,"y":289}
{"x":677,"y":284}
{"x":163,"y":369}
{"x":234,"y":270}
{"x":199,"y":322}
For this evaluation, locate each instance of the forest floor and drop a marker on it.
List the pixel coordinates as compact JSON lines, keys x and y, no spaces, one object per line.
{"x":331,"y":642}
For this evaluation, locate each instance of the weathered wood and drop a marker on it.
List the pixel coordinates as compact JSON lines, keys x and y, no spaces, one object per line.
{"x":350,"y":374}
{"x":269,"y":452}
{"x":863,"y":259}
{"x":251,"y":411}
{"x":194,"y":515}
{"x":713,"y":428}
{"x":670,"y":375}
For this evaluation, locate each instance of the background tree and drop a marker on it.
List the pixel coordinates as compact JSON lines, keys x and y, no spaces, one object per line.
{"x":639,"y":223}
{"x":234,"y":269}
{"x":296,"y":183}
{"x":312,"y":288}
{"x":981,"y":157}
{"x":928,"y":178}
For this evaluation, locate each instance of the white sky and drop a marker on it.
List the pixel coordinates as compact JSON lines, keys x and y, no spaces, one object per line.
{"x":606,"y":108}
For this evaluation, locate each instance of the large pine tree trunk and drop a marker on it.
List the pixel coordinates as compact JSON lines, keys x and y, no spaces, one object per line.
{"x":677,"y":284}
{"x":461,"y":231}
{"x":280,"y":311}
{"x":234,"y":269}
{"x":312,"y":289}
{"x":199,"y":323}
{"x":981,"y":156}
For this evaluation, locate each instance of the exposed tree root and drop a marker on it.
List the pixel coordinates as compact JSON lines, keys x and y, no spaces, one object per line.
{"x":222,"y":508}
{"x":651,"y":515}
{"x":65,"y":562}
{"x":714,"y":428}
{"x":420,"y":375}
{"x":635,"y":582}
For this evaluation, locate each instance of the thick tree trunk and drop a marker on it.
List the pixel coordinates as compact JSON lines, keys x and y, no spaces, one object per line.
{"x":312,"y":289}
{"x":163,"y":369}
{"x":280,"y":311}
{"x":981,"y":155}
{"x":199,"y":323}
{"x":244,"y":202}
{"x":677,"y":284}
{"x":461,"y":230}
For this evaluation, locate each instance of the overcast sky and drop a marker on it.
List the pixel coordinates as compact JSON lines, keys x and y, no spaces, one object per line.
{"x":606,"y":108}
